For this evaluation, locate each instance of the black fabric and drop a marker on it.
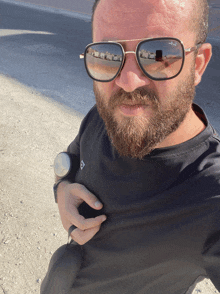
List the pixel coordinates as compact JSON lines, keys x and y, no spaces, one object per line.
{"x":63,"y":268}
{"x":163,"y":214}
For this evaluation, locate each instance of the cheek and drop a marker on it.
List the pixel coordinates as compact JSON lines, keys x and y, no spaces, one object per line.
{"x":167,"y":89}
{"x":163,"y":90}
{"x":105,"y":89}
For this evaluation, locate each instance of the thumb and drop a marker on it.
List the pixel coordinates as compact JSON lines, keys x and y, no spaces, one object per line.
{"x":85,"y":195}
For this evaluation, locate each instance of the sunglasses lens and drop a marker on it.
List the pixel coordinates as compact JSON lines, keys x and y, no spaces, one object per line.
{"x":161,"y":59}
{"x":103,"y":61}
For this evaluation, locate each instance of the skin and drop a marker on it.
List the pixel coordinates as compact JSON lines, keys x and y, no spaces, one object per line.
{"x":126,"y":20}
{"x":115,"y":20}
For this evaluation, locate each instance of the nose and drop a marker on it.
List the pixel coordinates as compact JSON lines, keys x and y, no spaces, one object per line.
{"x":131,"y":76}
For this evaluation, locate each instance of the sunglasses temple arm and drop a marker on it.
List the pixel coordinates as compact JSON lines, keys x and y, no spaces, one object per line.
{"x":193,"y":48}
{"x":81,"y":56}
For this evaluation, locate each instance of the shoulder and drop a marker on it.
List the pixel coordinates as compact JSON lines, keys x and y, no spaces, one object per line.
{"x":91,"y":120}
{"x":205,"y":179}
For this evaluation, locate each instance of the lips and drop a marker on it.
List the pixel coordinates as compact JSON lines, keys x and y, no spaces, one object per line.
{"x":132,"y":109}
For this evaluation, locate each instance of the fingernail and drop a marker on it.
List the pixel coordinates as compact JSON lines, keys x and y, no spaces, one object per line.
{"x":104,"y":218}
{"x":97,"y":204}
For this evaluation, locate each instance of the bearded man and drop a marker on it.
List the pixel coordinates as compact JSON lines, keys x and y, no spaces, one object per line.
{"x":140,"y":190}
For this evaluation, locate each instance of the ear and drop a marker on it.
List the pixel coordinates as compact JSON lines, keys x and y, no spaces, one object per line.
{"x":202,"y":60}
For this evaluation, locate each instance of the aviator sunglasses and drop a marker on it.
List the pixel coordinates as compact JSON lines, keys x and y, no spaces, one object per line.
{"x":159,"y":58}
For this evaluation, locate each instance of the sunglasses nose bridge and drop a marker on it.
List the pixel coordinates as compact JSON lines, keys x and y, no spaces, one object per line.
{"x":124,"y":61}
{"x":127,"y":52}
{"x":138,"y":63}
{"x":130,"y":52}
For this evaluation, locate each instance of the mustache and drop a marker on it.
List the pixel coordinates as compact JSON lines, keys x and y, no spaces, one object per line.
{"x":141,"y":96}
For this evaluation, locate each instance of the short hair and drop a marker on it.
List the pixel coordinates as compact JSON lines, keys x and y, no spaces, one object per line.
{"x":199,"y":21}
{"x":94,"y":8}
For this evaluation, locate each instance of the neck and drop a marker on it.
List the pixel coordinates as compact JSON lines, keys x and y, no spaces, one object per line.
{"x":190,"y":127}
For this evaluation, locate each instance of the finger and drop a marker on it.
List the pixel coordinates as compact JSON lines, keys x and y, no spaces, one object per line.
{"x":71,"y":228}
{"x":82,"y":223}
{"x":82,"y":237}
{"x":83,"y":193}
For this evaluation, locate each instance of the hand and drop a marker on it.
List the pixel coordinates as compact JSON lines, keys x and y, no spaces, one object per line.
{"x":69,"y":198}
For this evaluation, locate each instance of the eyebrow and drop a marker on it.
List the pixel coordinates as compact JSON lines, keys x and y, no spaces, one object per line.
{"x":123,"y":41}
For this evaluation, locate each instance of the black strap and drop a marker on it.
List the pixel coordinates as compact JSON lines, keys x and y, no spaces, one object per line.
{"x":71,"y":228}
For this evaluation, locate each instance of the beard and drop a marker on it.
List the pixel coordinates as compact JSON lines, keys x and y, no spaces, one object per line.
{"x":137,"y":136}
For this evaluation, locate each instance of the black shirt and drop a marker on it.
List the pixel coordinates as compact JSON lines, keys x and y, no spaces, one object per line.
{"x":163,"y":214}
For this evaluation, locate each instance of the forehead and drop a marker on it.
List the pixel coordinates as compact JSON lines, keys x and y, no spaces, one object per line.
{"x":129,"y":19}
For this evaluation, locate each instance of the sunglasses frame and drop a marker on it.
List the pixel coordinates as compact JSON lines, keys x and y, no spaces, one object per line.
{"x":185,"y":51}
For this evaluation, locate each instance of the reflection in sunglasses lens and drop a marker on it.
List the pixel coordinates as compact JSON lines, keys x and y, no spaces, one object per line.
{"x":160,"y":59}
{"x":104,"y":60}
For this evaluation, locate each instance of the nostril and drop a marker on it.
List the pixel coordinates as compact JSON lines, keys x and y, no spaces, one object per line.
{"x":130,"y":80}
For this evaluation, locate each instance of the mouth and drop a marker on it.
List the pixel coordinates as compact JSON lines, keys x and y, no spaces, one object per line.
{"x":132,"y":109}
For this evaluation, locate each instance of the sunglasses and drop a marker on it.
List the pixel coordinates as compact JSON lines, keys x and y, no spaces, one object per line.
{"x":159,"y":58}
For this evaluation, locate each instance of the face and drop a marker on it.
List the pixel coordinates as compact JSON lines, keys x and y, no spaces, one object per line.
{"x":140,"y":113}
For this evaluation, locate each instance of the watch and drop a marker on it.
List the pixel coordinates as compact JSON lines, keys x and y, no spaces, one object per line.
{"x":62,"y":168}
{"x":62,"y":164}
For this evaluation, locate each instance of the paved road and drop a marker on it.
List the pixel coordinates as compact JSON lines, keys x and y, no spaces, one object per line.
{"x":81,"y":6}
{"x":41,"y":50}
{"x":85,"y":7}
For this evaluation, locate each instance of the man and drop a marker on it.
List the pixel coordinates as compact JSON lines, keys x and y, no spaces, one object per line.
{"x":145,"y":164}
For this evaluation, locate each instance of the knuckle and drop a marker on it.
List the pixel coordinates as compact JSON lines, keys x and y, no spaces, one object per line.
{"x":76,"y":186}
{"x":70,"y":189}
{"x":79,"y":224}
{"x":82,"y":227}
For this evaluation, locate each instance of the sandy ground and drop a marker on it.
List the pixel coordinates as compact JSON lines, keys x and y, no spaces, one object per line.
{"x":32,"y":131}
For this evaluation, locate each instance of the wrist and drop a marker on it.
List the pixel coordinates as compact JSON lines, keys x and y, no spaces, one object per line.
{"x":66,"y":166}
{"x":59,"y":184}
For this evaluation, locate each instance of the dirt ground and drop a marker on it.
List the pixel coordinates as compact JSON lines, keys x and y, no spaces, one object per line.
{"x":32,"y":131}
